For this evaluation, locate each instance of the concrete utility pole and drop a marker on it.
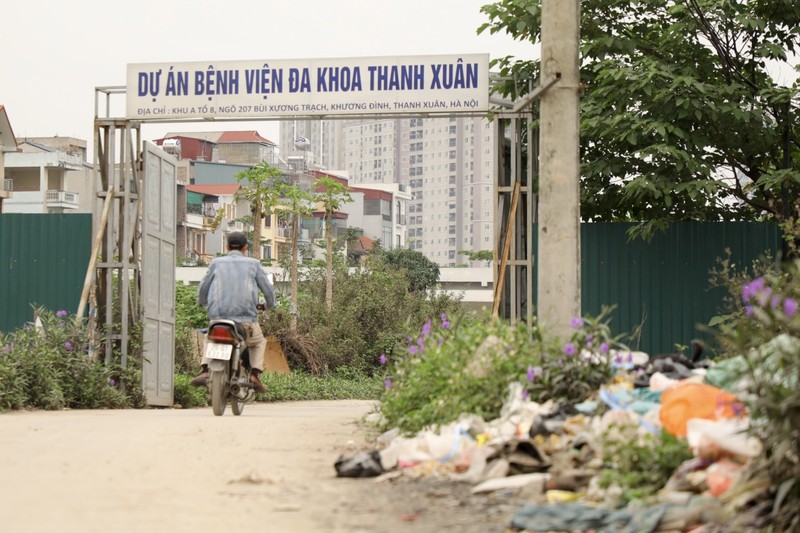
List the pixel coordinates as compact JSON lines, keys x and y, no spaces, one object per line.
{"x":559,"y":276}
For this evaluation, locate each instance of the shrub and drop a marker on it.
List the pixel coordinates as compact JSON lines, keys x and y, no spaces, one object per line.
{"x":188,"y":312}
{"x":188,"y":396}
{"x":764,"y":329}
{"x":640,"y":464}
{"x":466,"y":366}
{"x":372,"y":310}
{"x":46,"y":367}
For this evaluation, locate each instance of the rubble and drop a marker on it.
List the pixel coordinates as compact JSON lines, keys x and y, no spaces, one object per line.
{"x":553,"y":454}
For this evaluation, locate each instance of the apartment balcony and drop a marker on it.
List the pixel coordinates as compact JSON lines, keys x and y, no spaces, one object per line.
{"x":61,"y":200}
{"x":193,"y":220}
{"x":7,"y":189}
{"x":284,"y":235}
{"x":234,"y":225}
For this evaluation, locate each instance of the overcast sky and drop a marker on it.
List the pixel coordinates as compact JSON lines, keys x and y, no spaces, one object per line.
{"x":54,"y":53}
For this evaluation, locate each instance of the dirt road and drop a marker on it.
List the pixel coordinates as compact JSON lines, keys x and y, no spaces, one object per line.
{"x":174,"y":470}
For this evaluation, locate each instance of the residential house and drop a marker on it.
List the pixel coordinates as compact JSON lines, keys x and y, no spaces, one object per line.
{"x":228,"y":212}
{"x":235,"y":147}
{"x":379,"y":209}
{"x":8,"y":143}
{"x":50,"y":175}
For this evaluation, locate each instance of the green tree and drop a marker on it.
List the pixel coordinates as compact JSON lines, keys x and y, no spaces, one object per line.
{"x":297,"y":203}
{"x":260,"y":191}
{"x":422,"y":273}
{"x":478,"y":255}
{"x":349,"y":238}
{"x":332,"y":195}
{"x":680,"y":118}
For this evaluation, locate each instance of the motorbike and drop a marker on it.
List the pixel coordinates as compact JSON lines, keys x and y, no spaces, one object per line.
{"x":228,"y":367}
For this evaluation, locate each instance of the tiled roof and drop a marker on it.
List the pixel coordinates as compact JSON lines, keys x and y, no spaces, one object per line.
{"x":249,"y":136}
{"x":215,"y":190}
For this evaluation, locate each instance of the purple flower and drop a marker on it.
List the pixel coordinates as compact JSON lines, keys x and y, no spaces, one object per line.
{"x":604,"y":348}
{"x":445,"y":323}
{"x":408,"y":340}
{"x":629,"y":359}
{"x":618,"y":359}
{"x":413,"y":349}
{"x":387,"y":383}
{"x":790,"y":306}
{"x":382,"y":359}
{"x":589,"y":339}
{"x":440,"y":341}
{"x":61,"y":313}
{"x":537,"y":372}
{"x":748,"y":310}
{"x":569,"y":349}
{"x":421,"y":343}
{"x":752,"y":289}
{"x":577,"y":322}
{"x":112,"y":382}
{"x":426,"y":328}
{"x":530,"y":373}
{"x":775,"y":301}
{"x":764,"y":296}
{"x":68,"y":346}
{"x":525,"y":394}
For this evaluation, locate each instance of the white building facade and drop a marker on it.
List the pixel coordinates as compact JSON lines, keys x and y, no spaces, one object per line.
{"x":445,"y":164}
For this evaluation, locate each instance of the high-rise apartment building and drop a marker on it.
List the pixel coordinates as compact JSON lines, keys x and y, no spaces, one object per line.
{"x":446,"y":164}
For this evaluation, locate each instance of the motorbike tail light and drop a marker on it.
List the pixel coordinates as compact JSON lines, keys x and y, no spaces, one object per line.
{"x":221,"y":334}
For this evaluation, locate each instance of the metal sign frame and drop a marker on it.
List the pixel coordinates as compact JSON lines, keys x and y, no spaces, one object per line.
{"x":118,"y":165}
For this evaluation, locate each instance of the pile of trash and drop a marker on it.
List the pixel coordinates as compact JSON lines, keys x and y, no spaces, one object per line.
{"x":553,"y":453}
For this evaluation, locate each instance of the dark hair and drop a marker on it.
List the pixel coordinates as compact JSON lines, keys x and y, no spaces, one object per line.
{"x":237,"y":240}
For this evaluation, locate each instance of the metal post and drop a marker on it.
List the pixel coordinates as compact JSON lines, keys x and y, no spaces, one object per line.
{"x":559,"y":285}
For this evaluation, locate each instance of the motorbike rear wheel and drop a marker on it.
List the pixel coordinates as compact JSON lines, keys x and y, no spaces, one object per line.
{"x":219,"y":392}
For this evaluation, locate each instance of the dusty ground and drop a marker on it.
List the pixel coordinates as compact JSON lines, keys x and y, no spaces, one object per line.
{"x":185,"y":470}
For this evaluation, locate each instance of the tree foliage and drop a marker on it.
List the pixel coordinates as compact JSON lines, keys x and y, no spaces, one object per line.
{"x":332,"y":195}
{"x":259,"y":189}
{"x":298,"y":203}
{"x":422,"y":273}
{"x":681,"y":118}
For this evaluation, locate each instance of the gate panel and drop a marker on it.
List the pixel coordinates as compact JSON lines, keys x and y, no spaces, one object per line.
{"x":158,"y":275}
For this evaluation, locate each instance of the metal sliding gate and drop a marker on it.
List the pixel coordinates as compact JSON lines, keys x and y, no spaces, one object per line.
{"x":135,"y":278}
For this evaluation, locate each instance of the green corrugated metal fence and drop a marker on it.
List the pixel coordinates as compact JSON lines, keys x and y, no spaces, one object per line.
{"x":43,"y":261}
{"x":663,"y":285}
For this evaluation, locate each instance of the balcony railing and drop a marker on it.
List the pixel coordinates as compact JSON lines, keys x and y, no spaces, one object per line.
{"x":207,"y":210}
{"x":235,"y":225}
{"x":8,"y":184}
{"x":62,"y":199}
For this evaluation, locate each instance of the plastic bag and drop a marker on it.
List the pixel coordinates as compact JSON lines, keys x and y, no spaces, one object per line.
{"x":712,"y":439}
{"x":695,"y":400}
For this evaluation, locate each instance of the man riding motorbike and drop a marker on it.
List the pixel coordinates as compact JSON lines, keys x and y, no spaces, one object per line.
{"x":230,"y":291}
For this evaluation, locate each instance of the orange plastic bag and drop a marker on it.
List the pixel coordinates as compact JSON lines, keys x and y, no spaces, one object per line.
{"x":695,"y":400}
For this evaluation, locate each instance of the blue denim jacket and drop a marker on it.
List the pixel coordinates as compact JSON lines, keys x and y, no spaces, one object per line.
{"x":230,"y":288}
